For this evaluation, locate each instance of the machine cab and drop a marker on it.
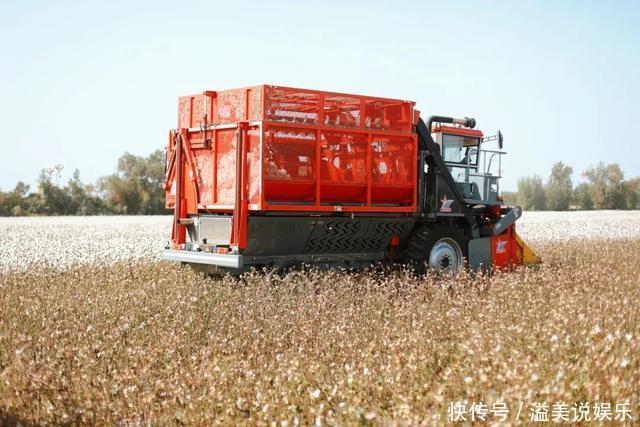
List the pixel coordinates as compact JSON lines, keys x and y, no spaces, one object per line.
{"x":476,"y":171}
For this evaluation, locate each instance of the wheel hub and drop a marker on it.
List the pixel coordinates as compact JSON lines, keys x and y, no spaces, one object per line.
{"x":445,"y":255}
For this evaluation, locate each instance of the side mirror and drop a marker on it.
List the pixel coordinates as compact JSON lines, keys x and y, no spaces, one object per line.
{"x":500,"y":140}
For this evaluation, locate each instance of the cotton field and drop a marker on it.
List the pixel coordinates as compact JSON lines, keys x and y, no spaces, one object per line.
{"x":62,"y":242}
{"x":571,"y":226}
{"x":95,"y":330}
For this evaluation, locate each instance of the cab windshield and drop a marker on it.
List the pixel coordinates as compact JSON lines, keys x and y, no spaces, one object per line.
{"x":460,"y":149}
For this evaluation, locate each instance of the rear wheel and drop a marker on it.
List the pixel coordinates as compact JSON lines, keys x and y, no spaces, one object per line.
{"x":437,"y":246}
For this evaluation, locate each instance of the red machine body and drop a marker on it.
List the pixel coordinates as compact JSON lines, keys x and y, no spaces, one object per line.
{"x":270,"y":174}
{"x":291,"y":150}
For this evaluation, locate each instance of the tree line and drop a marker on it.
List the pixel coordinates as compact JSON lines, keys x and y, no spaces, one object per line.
{"x":134,"y":189}
{"x":604,"y":187}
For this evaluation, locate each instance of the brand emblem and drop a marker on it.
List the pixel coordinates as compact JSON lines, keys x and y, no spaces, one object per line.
{"x":501,"y":247}
{"x":446,"y":204}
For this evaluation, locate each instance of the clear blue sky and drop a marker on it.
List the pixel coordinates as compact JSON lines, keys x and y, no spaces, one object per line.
{"x":83,"y":82}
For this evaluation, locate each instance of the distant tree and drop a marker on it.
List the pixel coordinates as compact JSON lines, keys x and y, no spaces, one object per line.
{"x":531,"y":194}
{"x":82,"y":201}
{"x":632,"y":193}
{"x":606,"y":187}
{"x":52,"y":200}
{"x":582,"y":196}
{"x":15,"y":202}
{"x":55,"y":171}
{"x":153,"y":202}
{"x":510,"y":198}
{"x":75,"y":191}
{"x":136,"y":187}
{"x":559,"y":187}
{"x":3,"y":204}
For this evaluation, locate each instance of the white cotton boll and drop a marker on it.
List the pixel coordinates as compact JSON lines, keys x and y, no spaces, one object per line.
{"x":570,"y":226}
{"x":63,"y":242}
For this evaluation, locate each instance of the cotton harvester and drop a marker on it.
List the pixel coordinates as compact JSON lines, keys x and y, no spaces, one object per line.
{"x":276,"y":176}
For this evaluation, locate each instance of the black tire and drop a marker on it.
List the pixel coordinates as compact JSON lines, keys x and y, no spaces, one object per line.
{"x":449,"y":238}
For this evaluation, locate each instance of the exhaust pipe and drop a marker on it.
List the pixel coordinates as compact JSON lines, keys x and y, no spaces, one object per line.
{"x":467,"y":121}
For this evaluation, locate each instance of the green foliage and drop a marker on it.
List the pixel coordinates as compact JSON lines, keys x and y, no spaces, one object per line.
{"x":136,"y":187}
{"x":632,"y":192}
{"x":607,"y":190}
{"x":82,"y":198}
{"x":53,"y":200}
{"x":531,"y":194}
{"x":510,"y":198}
{"x":559,"y":189}
{"x":15,"y":202}
{"x":582,"y":197}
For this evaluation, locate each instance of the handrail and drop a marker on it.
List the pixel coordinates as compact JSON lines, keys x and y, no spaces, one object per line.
{"x":461,"y":165}
{"x":485,"y":175}
{"x":481,"y":169}
{"x":493,"y":151}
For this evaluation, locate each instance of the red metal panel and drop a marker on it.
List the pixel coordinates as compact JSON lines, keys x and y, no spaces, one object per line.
{"x":225,"y":168}
{"x":291,"y":105}
{"x":231,"y":105}
{"x":193,"y":111}
{"x":310,"y":150}
{"x":254,"y":164}
{"x":302,"y":106}
{"x":341,"y":111}
{"x":393,"y":172}
{"x":504,"y":250}
{"x":199,"y":115}
{"x":289,"y":165}
{"x":343,"y":170}
{"x":184,"y":112}
{"x":256,"y":103}
{"x":204,"y":165}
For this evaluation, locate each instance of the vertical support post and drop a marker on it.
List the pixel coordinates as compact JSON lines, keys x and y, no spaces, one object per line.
{"x":262,"y":130}
{"x":240,"y":210}
{"x":212,"y":96}
{"x":214,"y":196}
{"x":179,"y":231}
{"x":318,"y":147}
{"x":499,"y":173}
{"x":369,"y":166}
{"x":318,"y":164}
{"x":405,"y":110}
{"x":415,"y":177}
{"x":244,"y":214}
{"x":246,"y":104}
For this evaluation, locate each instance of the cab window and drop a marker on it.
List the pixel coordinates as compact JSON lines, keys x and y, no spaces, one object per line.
{"x":459,"y":149}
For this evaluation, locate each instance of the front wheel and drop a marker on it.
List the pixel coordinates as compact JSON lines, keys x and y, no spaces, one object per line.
{"x":438,"y":247}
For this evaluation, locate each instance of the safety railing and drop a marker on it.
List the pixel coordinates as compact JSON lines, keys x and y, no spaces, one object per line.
{"x":480,"y":180}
